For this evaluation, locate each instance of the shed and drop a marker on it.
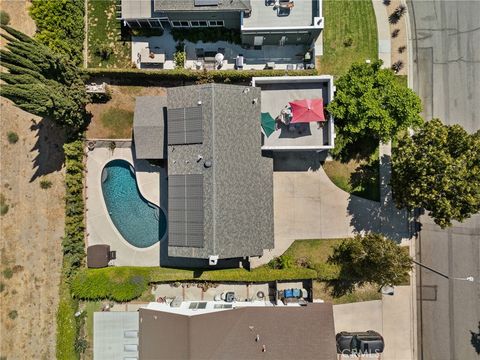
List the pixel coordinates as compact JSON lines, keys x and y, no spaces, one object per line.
{"x":149,"y":127}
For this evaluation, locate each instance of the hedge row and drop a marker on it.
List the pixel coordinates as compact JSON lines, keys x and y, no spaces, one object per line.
{"x":128,"y":283}
{"x":233,"y":76}
{"x":60,"y":26}
{"x":73,"y":241}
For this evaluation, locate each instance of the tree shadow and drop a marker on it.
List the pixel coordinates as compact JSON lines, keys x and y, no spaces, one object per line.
{"x":366,"y":177}
{"x":361,"y":149}
{"x":49,"y":147}
{"x":475,"y":339}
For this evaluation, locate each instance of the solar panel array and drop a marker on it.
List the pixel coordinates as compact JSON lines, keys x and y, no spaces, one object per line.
{"x":185,"y":126}
{"x":185,"y":210}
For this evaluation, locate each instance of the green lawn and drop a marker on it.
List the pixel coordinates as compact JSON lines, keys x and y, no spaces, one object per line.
{"x":104,"y":32}
{"x":66,"y":324}
{"x":357,"y":177}
{"x":350,"y":35}
{"x":118,"y":123}
{"x":89,"y":308}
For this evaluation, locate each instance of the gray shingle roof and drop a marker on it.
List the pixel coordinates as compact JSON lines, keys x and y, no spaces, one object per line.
{"x":288,"y":332}
{"x":149,"y":127}
{"x":189,"y":5}
{"x":238,"y":187}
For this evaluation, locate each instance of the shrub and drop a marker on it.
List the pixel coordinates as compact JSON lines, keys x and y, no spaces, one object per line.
{"x":81,"y":345}
{"x":13,"y":314}
{"x":401,"y":49}
{"x":395,"y":33}
{"x":179,"y":58}
{"x":45,"y":184}
{"x":104,"y":51}
{"x":8,"y":273}
{"x":12,"y":137}
{"x":397,"y":66}
{"x":281,"y":262}
{"x":2,"y":287}
{"x":207,"y":35}
{"x":60,"y":26}
{"x":3,"y":205}
{"x":4,"y":18}
{"x":348,"y":41}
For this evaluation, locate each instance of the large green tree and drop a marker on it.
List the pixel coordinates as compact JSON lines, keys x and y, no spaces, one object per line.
{"x":41,"y":82}
{"x":371,"y":103}
{"x":438,"y":169}
{"x":369,"y":259}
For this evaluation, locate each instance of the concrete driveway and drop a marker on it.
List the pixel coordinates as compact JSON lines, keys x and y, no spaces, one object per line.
{"x":307,"y":205}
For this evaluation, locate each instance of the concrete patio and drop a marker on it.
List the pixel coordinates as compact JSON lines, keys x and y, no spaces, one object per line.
{"x":100,"y":228}
{"x":254,"y":59}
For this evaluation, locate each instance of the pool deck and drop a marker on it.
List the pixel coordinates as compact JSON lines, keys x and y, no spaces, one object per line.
{"x":100,"y":229}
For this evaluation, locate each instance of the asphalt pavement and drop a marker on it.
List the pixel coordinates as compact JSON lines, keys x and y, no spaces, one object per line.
{"x":446,"y":74}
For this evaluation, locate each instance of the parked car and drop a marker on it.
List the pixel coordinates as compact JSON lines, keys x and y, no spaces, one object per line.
{"x":368,"y":342}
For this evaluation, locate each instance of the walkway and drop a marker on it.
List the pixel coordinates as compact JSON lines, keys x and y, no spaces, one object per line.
{"x":383,"y":32}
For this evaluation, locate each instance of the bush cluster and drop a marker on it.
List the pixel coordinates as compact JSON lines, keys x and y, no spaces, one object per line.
{"x":4,"y":18}
{"x":207,"y":35}
{"x":60,"y":26}
{"x":221,"y":76}
{"x":73,"y":241}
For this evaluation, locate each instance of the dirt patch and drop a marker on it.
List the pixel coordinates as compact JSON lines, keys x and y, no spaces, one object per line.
{"x":399,"y":41}
{"x":19,"y":18}
{"x":31,"y":234}
{"x":123,"y":98}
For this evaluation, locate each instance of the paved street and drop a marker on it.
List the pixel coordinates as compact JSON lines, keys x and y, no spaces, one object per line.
{"x":446,"y":75}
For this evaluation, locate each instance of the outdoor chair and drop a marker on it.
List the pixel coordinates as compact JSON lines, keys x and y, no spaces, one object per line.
{"x":200,"y":53}
{"x":239,"y":62}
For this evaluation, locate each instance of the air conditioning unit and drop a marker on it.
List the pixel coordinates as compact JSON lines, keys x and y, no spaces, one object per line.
{"x":213,"y":260}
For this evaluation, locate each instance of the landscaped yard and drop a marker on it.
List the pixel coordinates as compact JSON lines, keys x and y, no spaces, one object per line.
{"x":350,"y":35}
{"x":307,"y":260}
{"x":357,"y":177}
{"x":114,"y":119}
{"x":106,"y":45}
{"x":317,"y":252}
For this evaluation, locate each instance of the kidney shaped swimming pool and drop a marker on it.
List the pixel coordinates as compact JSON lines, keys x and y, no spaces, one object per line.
{"x":140,"y":222}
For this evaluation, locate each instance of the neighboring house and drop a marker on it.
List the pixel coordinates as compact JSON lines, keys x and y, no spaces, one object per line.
{"x":217,"y":330}
{"x":261,"y":22}
{"x":220,"y":187}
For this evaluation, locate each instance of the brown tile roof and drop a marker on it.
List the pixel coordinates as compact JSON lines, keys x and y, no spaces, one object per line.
{"x":287,"y":333}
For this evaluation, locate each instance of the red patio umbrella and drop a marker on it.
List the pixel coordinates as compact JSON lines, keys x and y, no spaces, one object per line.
{"x":307,"y":110}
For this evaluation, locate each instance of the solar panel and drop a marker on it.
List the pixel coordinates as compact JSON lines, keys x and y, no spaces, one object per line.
{"x":185,"y":210}
{"x":185,"y":126}
{"x":206,"y":2}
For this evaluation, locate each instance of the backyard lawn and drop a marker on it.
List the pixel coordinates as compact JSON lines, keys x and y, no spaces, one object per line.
{"x":106,"y":47}
{"x":350,"y":35}
{"x":114,"y":119}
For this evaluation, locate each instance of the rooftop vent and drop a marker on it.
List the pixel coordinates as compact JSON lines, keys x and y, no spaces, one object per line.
{"x":208,"y":164}
{"x":213,"y":260}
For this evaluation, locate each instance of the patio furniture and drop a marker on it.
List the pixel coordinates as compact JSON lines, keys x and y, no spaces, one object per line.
{"x":199,"y":53}
{"x":268,"y":124}
{"x":112,"y":255}
{"x":290,"y":67}
{"x":239,"y":60}
{"x":230,"y":296}
{"x":147,"y":56}
{"x":221,"y":50}
{"x":98,"y":256}
{"x":269,"y":2}
{"x":308,"y":110}
{"x":270,"y":65}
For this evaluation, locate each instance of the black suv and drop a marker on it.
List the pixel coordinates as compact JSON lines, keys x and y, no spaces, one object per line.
{"x":358,"y":343}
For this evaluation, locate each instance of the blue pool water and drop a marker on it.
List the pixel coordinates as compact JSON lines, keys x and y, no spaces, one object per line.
{"x":140,"y":222}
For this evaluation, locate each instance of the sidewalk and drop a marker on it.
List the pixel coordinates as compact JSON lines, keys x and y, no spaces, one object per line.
{"x":383,"y":32}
